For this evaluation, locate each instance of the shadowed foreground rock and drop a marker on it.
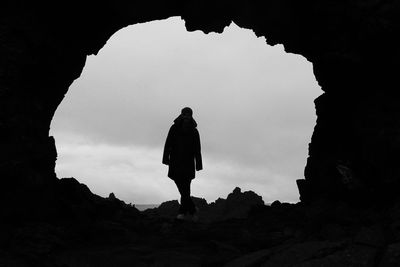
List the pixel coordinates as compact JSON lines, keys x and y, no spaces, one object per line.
{"x":106,"y":232}
{"x":351,"y":185}
{"x":60,"y":200}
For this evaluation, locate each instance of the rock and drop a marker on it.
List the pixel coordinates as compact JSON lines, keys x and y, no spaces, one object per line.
{"x":291,"y":255}
{"x":251,"y":259}
{"x":34,"y":242}
{"x":391,"y":256}
{"x":76,"y":201}
{"x":236,"y":205}
{"x":275,"y":204}
{"x":112,"y":196}
{"x":168,"y":208}
{"x":176,"y":258}
{"x":371,"y":236}
{"x":357,"y":256}
{"x":332,"y":232}
{"x":279,"y":235}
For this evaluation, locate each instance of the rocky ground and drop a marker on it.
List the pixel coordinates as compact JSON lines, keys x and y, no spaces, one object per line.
{"x":236,"y":206}
{"x":323,"y":233}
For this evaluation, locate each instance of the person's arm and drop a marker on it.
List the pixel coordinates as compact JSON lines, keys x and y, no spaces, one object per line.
{"x":167,"y":147}
{"x":197,"y":152}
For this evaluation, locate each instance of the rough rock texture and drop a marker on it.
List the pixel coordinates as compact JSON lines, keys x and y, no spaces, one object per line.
{"x":319,"y":234}
{"x":352,"y":173}
{"x":236,"y":206}
{"x":66,"y":199}
{"x":352,"y":45}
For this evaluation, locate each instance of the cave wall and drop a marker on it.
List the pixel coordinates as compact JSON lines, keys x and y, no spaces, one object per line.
{"x":352,"y":45}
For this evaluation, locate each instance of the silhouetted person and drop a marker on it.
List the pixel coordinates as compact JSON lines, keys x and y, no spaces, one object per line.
{"x":182,"y":154}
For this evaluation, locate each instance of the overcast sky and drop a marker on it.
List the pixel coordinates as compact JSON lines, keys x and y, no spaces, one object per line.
{"x":253,"y":104}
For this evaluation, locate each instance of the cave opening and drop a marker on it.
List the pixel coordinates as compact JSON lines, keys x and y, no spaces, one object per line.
{"x":253,"y":103}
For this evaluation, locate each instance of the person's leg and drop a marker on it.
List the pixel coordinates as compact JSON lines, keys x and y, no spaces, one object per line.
{"x":187,"y":205}
{"x":181,"y":188}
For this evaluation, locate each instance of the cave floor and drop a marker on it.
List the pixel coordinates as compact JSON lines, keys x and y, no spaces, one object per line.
{"x":284,"y":235}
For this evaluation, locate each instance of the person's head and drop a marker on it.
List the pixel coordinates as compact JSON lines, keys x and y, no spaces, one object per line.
{"x":187,"y":113}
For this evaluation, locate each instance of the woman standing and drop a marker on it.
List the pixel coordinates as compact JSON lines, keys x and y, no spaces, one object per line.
{"x":182,"y":153}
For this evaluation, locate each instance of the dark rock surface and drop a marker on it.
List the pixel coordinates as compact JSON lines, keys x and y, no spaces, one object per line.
{"x":320,"y":234}
{"x":236,"y":206}
{"x":349,"y":215}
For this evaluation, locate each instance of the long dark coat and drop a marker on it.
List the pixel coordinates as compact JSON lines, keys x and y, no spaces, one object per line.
{"x":182,"y":151}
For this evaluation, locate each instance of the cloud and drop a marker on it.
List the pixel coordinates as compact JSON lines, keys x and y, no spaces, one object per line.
{"x":253,"y":104}
{"x":136,"y":175}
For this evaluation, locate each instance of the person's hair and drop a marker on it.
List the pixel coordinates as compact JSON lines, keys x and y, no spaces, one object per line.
{"x":187,"y":110}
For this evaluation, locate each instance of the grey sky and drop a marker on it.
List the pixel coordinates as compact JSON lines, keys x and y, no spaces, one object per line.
{"x":253,"y":103}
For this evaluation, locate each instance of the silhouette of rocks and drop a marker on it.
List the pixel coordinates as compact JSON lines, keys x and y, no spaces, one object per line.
{"x":108,"y":232}
{"x":236,"y":205}
{"x":324,"y":233}
{"x":166,"y":209}
{"x":64,"y":199}
{"x":349,"y":215}
{"x":81,"y":202}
